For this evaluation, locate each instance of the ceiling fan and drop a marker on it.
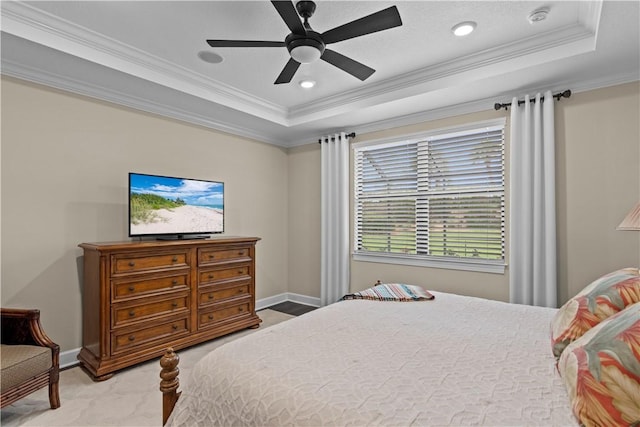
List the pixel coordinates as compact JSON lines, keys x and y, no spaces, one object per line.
{"x":306,"y":45}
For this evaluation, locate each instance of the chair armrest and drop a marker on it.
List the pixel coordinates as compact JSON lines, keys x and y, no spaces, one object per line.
{"x":22,"y":326}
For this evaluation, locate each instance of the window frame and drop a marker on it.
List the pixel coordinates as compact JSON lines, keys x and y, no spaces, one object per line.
{"x":465,"y":264}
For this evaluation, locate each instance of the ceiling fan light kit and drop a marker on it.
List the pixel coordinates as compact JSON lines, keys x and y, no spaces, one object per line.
{"x":305,"y":54}
{"x":305,"y":49}
{"x":306,"y":45}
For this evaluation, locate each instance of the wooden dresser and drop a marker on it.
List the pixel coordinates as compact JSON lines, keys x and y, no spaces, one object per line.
{"x":141,"y":297}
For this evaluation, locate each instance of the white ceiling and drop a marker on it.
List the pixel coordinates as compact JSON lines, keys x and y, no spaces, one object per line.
{"x":144,"y":54}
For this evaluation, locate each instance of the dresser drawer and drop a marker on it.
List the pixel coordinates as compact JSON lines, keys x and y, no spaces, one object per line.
{"x":212,"y":256}
{"x":214,"y":294}
{"x":126,"y":314}
{"x":211,"y":276}
{"x":210,"y":318}
{"x":125,"y":289}
{"x":126,"y":340}
{"x":127,"y":263}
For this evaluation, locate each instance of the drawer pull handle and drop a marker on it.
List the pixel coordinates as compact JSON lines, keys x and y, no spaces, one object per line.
{"x":174,"y":304}
{"x":174,"y":327}
{"x":212,"y":256}
{"x":211,"y":276}
{"x":239,"y":309}
{"x":132,"y":313}
{"x":241,"y":253}
{"x":132,"y":337}
{"x":132,"y":264}
{"x":131,"y":289}
{"x":211,"y":316}
{"x":210,"y":296}
{"x":240,"y":291}
{"x":174,"y":259}
{"x":240,"y":271}
{"x":174,"y":282}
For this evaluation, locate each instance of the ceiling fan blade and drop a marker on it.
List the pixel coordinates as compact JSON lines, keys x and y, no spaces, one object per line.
{"x":287,"y":72}
{"x":349,"y":65}
{"x":379,"y":21}
{"x":244,"y":43}
{"x":289,"y":15}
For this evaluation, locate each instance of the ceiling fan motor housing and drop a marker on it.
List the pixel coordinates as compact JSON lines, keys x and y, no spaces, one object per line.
{"x":306,"y":8}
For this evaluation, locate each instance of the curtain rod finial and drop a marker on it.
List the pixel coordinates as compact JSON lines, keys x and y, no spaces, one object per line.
{"x":349,"y":135}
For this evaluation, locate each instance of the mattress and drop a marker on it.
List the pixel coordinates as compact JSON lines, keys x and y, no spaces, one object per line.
{"x":454,"y":360}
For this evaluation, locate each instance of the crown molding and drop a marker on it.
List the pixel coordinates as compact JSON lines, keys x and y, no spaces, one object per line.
{"x":65,"y":83}
{"x":565,"y":42}
{"x":106,"y":94}
{"x":484,"y":104}
{"x":589,"y":14}
{"x":31,"y":23}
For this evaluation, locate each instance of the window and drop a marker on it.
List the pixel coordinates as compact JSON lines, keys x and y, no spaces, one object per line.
{"x":434,"y":199}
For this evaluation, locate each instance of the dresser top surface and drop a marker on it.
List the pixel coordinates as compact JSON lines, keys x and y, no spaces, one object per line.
{"x":141,"y":244}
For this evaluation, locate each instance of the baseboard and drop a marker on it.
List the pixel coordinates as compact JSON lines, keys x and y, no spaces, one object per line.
{"x":303,"y":299}
{"x":287,"y":296}
{"x":69,"y":358}
{"x":269,"y":301}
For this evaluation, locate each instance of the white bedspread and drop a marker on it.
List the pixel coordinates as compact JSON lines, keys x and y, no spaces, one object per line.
{"x":451,"y":361}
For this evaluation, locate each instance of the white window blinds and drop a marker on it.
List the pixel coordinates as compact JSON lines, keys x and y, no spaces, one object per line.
{"x":440,"y":196}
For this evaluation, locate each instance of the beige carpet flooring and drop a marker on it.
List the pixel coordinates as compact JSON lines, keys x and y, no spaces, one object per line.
{"x":130,"y":398}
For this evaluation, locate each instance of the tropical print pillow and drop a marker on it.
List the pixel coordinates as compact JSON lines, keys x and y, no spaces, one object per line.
{"x":601,"y":371}
{"x":601,"y":299}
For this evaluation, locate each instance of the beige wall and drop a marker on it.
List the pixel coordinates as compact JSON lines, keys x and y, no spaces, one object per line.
{"x":65,"y":161}
{"x":598,"y":181}
{"x":598,"y":172}
{"x":304,"y":220}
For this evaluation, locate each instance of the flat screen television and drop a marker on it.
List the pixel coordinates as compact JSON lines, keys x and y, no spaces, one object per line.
{"x":174,"y":208}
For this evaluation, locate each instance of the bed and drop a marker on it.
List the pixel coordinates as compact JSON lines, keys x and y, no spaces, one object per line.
{"x":452,"y":360}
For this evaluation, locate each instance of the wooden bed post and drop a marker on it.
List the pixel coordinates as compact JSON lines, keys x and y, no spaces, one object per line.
{"x":169,"y":383}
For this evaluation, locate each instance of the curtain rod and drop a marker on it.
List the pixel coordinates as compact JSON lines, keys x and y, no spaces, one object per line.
{"x":557,"y":96}
{"x":349,"y":135}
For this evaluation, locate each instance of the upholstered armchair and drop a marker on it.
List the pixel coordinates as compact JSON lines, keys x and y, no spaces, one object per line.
{"x":29,"y":360}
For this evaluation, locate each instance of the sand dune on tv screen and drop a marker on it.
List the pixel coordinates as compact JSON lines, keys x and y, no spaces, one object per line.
{"x":184,"y":219}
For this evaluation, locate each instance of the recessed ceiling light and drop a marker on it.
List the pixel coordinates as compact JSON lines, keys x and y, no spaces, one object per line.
{"x":210,"y":57}
{"x":464,"y":28}
{"x":307,"y":84}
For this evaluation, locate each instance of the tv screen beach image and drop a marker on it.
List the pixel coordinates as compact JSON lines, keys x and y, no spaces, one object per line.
{"x":165,"y":205}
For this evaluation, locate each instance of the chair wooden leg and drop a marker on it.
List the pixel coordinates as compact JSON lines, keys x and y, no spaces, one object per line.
{"x":54,"y":391}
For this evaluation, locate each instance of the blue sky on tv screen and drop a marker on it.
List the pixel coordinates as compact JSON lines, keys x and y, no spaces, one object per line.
{"x":193,"y":192}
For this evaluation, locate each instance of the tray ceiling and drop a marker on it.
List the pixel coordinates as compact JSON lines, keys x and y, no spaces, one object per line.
{"x":147,"y":55}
